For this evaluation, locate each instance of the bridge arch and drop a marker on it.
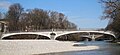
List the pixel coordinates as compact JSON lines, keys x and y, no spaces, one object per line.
{"x":24,"y":33}
{"x":71,"y":32}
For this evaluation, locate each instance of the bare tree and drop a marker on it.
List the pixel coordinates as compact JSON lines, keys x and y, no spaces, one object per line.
{"x":112,"y":12}
{"x":13,"y":15}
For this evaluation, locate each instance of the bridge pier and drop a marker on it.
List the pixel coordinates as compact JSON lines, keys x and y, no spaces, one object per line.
{"x":52,"y":36}
{"x":93,"y":37}
{"x":86,"y":40}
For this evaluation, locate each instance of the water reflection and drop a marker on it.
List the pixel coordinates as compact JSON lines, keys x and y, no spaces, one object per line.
{"x":105,"y":49}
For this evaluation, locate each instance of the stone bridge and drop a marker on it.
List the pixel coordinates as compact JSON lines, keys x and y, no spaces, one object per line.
{"x":54,"y":34}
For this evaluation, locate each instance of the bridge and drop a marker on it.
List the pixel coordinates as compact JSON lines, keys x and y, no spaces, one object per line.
{"x":53,"y":34}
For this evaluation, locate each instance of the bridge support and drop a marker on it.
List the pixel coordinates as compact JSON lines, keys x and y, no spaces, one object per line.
{"x":52,"y":36}
{"x":86,"y":40}
{"x":93,"y":37}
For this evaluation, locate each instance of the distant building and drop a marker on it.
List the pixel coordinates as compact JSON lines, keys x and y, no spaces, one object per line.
{"x":3,"y":25}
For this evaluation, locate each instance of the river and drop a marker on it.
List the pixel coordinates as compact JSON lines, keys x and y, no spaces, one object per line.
{"x":106,"y":48}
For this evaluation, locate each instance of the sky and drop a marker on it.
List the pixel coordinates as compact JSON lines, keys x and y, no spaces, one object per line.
{"x":84,"y":13}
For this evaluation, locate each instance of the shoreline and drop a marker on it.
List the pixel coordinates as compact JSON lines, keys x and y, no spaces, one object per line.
{"x":118,"y":42}
{"x":39,"y":47}
{"x":88,"y":48}
{"x":62,"y":52}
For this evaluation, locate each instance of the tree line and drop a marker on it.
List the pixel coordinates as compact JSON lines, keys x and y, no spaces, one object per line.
{"x":112,"y":12}
{"x":19,"y":19}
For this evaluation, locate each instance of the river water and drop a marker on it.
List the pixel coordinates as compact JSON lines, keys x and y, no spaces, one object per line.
{"x":106,"y":48}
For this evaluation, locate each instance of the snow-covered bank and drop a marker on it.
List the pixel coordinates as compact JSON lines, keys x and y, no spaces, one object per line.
{"x":118,"y":42}
{"x":28,"y":47}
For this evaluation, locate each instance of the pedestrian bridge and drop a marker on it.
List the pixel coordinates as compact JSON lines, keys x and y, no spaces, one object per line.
{"x":54,"y":34}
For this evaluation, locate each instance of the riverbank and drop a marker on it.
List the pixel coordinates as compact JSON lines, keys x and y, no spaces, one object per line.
{"x":29,"y":47}
{"x":118,"y":42}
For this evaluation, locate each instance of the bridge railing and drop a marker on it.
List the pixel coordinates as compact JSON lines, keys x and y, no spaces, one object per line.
{"x":42,"y":30}
{"x":50,"y":30}
{"x":91,"y":29}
